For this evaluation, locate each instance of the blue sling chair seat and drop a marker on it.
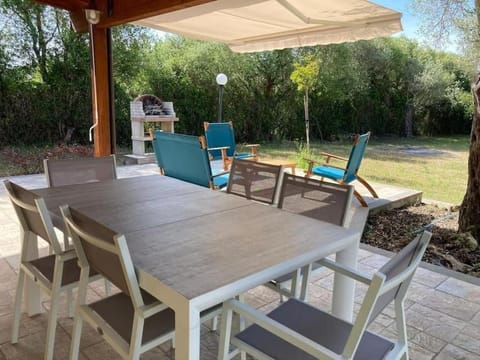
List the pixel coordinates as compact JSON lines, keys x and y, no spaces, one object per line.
{"x":221,"y":143}
{"x":350,"y":172}
{"x":185,"y":157}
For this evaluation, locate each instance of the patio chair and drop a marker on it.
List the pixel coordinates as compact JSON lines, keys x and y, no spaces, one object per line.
{"x":132,"y":321}
{"x":53,"y":273}
{"x":79,"y":171}
{"x":350,"y":172}
{"x":297,"y":330}
{"x":254,"y":180}
{"x":60,"y":172}
{"x":185,"y":157}
{"x":221,"y":143}
{"x":317,"y":199}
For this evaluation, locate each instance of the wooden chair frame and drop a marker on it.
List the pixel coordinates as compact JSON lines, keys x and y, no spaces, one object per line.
{"x":225,"y":148}
{"x":379,"y":284}
{"x":349,"y":174}
{"x":197,"y":156}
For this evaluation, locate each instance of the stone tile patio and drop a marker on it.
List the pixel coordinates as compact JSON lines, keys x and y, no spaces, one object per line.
{"x":443,"y":308}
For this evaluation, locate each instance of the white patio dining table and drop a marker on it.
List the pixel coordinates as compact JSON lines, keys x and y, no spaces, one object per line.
{"x":194,"y":248}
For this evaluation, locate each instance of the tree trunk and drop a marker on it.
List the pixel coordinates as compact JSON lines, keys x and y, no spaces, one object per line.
{"x":307,"y":120}
{"x":409,"y":121}
{"x":469,"y":216}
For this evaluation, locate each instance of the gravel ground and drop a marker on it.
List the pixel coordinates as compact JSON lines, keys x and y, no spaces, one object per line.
{"x":393,"y":229}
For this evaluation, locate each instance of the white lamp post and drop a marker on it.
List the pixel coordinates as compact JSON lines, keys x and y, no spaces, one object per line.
{"x":221,"y":81}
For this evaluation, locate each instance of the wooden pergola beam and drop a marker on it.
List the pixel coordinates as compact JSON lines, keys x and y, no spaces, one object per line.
{"x":125,"y":11}
{"x":118,"y":12}
{"x":113,"y":12}
{"x":70,"y":5}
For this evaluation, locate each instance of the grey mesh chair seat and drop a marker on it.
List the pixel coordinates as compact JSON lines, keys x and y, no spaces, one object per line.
{"x":155,"y":326}
{"x":71,"y":271}
{"x":118,"y":311}
{"x":304,"y":319}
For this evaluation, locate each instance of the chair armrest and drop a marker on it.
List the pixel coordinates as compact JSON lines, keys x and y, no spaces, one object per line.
{"x":219,"y":148}
{"x":68,"y":255}
{"x":311,"y":162}
{"x":253,"y":149}
{"x":220,"y":173}
{"x":280,"y":330}
{"x":331,"y":156}
{"x":152,"y":309}
{"x":345,"y":270}
{"x":225,"y":158}
{"x":250,"y":145}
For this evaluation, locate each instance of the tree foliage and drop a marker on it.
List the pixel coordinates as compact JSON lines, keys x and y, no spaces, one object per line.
{"x":305,"y":76}
{"x":367,"y":85}
{"x":465,"y":16}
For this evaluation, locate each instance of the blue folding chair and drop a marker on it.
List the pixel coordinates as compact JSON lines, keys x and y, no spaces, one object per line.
{"x":221,"y":143}
{"x":350,"y":172}
{"x":185,"y":157}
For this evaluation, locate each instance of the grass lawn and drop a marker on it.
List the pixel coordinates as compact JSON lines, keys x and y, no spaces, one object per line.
{"x":441,"y":176}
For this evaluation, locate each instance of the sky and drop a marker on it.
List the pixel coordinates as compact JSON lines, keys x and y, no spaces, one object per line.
{"x":410,"y":22}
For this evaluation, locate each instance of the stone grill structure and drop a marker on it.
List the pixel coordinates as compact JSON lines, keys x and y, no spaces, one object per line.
{"x":146,"y":110}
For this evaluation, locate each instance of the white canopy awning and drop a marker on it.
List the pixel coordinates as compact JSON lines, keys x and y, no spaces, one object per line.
{"x":257,"y":25}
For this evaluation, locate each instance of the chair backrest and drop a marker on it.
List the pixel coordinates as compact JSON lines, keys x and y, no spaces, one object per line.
{"x":79,"y":171}
{"x":220,"y":134}
{"x":404,"y":262}
{"x":32,"y":214}
{"x":390,"y":283}
{"x":316,"y":199}
{"x":254,"y":180}
{"x":356,"y":156}
{"x":183,"y":157}
{"x":103,"y":250}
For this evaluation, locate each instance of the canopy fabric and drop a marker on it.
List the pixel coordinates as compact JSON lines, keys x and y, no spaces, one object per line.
{"x":257,"y":25}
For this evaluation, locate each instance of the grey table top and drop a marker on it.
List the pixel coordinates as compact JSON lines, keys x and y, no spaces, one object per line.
{"x":195,"y":240}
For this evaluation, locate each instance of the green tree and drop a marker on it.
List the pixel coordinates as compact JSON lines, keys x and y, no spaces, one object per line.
{"x":33,"y":31}
{"x":305,"y":75}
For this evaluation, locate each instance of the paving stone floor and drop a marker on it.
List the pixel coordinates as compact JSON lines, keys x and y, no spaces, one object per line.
{"x":443,"y":309}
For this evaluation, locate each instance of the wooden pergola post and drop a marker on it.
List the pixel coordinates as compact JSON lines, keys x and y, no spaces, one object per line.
{"x":102,"y":91}
{"x":112,"y":13}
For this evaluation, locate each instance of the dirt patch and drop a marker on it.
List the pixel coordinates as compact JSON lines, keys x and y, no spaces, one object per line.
{"x":393,"y":229}
{"x":415,"y":150}
{"x":21,"y":161}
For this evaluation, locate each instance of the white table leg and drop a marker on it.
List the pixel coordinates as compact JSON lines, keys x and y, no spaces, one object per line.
{"x":32,"y":291}
{"x":344,"y":287}
{"x":187,"y":333}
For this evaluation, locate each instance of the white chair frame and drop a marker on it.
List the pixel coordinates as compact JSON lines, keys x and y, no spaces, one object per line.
{"x":378,"y":285}
{"x":141,"y":311}
{"x":26,"y":268}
